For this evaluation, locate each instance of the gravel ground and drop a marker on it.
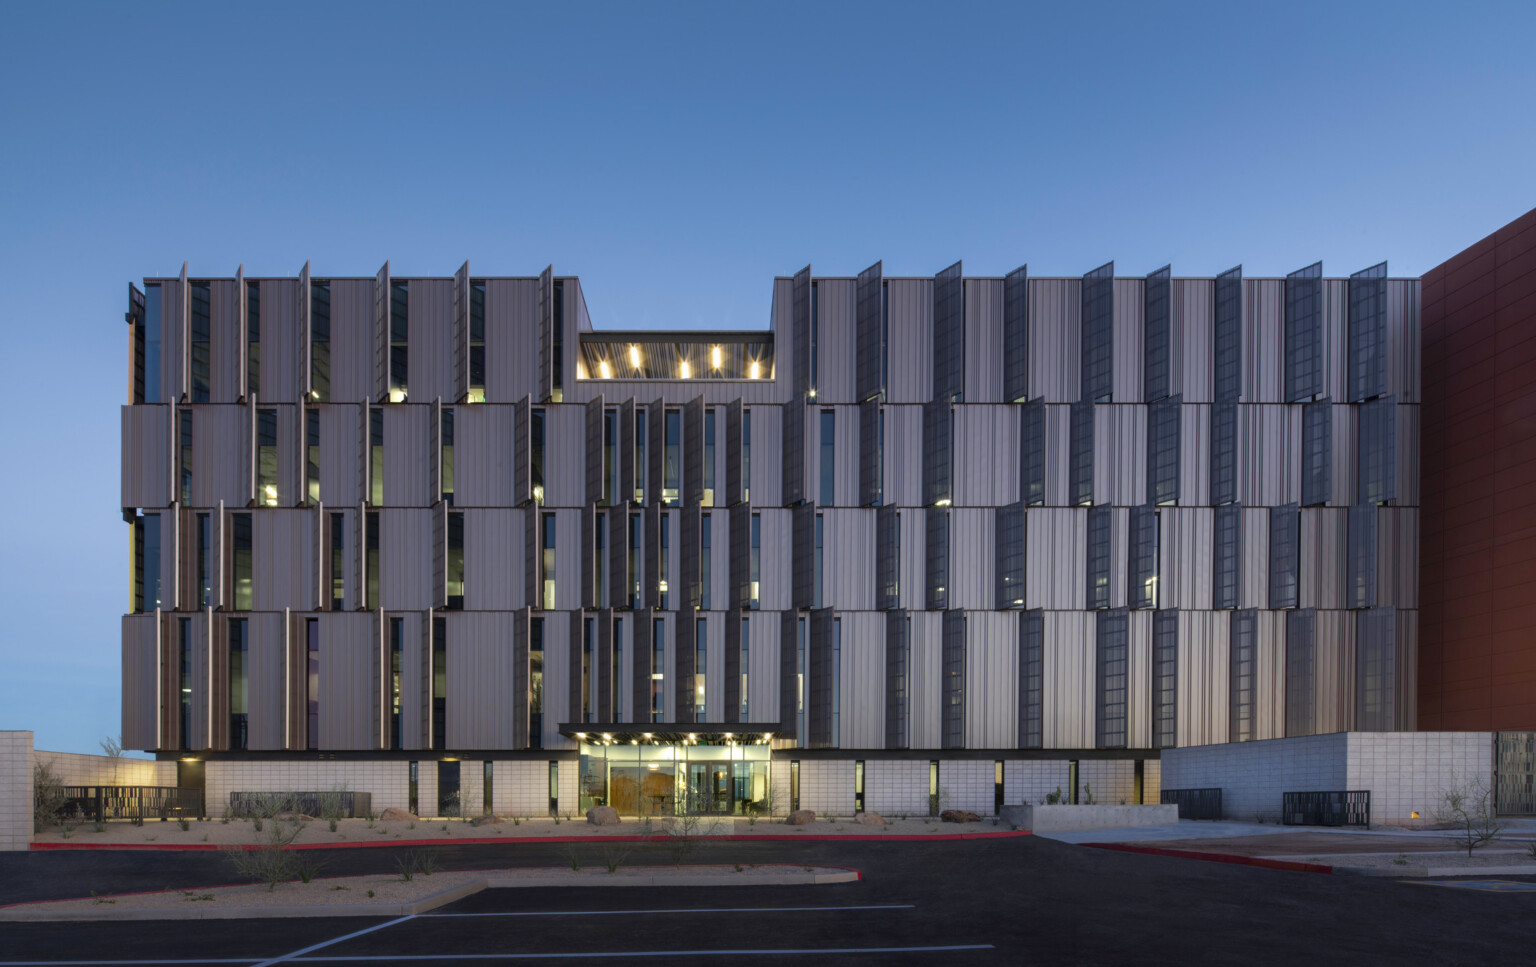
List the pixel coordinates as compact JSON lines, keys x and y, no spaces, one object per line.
{"x":1437,"y":860}
{"x":214,"y":832}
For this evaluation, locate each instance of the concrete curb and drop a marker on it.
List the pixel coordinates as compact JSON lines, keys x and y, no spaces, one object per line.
{"x":1422,"y":872}
{"x":556,"y":840}
{"x":1230,"y":858}
{"x":39,"y":912}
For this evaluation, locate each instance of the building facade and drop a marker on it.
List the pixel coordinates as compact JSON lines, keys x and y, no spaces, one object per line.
{"x":1479,"y":546}
{"x":924,"y":541}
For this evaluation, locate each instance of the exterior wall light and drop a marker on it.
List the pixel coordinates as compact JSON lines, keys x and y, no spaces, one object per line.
{"x":683,"y":370}
{"x":714,"y":357}
{"x":634,"y":356}
{"x":755,"y":370}
{"x":603,"y":370}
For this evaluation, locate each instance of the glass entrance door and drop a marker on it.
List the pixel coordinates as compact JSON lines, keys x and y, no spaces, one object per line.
{"x":709,"y":788}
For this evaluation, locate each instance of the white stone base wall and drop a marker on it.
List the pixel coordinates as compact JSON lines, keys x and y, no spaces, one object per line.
{"x":826,"y":786}
{"x":522,"y":788}
{"x":1110,"y":780}
{"x":385,"y":780}
{"x":1406,"y":772}
{"x":968,"y":784}
{"x":1152,"y":782}
{"x":896,"y":787}
{"x":15,"y":790}
{"x":1031,"y":780}
{"x":74,"y":769}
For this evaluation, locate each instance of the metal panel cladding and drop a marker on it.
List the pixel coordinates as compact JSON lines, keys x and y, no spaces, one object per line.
{"x":1031,"y":679}
{"x":1242,"y":666}
{"x":800,"y":331}
{"x":1367,"y":333}
{"x":1163,"y":450}
{"x":887,"y":558}
{"x":1316,"y":450}
{"x":1227,"y":337}
{"x":952,"y":662}
{"x":1375,"y":669}
{"x":1080,"y":461}
{"x":937,"y":553}
{"x":1032,"y":452}
{"x":1304,"y":333}
{"x":1098,"y":333}
{"x":938,"y":450}
{"x":794,"y":450}
{"x":1300,"y":672}
{"x":1284,"y":555}
{"x":870,"y":331}
{"x":949,"y":335}
{"x":1376,"y":461}
{"x":1360,"y":574}
{"x":1165,"y":679}
{"x":1097,"y":573}
{"x":1016,"y":335}
{"x":1156,"y":335}
{"x":1141,"y":581}
{"x":1223,"y":488}
{"x":1226,"y":556}
{"x":898,"y":676}
{"x":1112,"y":667}
{"x":1010,"y":552}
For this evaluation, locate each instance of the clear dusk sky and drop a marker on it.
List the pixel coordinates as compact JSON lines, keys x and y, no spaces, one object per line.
{"x":676,"y":158}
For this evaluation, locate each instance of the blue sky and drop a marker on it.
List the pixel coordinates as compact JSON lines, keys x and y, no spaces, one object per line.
{"x":676,"y":158}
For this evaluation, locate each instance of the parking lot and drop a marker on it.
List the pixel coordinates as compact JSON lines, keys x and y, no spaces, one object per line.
{"x":982,"y":902}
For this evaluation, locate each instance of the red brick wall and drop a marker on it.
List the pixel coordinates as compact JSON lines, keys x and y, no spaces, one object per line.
{"x":1477,"y":553}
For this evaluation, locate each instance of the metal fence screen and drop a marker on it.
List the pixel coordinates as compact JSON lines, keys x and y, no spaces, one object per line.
{"x":1350,"y":808}
{"x":1194,"y":803}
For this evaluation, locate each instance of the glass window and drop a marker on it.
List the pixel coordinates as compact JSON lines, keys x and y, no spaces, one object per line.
{"x":1016,"y":336}
{"x":252,"y":336}
{"x":312,"y":682}
{"x":1316,"y":452}
{"x":240,"y":558}
{"x":897,"y":679}
{"x":1098,"y":557}
{"x":476,"y":343}
{"x":204,"y":562}
{"x":239,"y":683}
{"x":1113,"y":660}
{"x":611,"y":492}
{"x":709,"y":457}
{"x":746,"y":455}
{"x":952,"y":659}
{"x":338,"y":570}
{"x":396,"y":632}
{"x":1080,"y":470}
{"x":153,"y":378}
{"x":816,"y":571}
{"x":1165,"y":679}
{"x":371,"y":558}
{"x":536,"y":683}
{"x":938,"y":453}
{"x":439,"y":683}
{"x":536,"y":454}
{"x":399,"y":339}
{"x":700,"y":658}
{"x":815,"y":337}
{"x":828,"y":492}
{"x":146,"y":563}
{"x":200,"y":356}
{"x":837,"y":678}
{"x":557,"y":345}
{"x":1243,"y":646}
{"x":1163,"y":450}
{"x":1098,"y":333}
{"x":1300,"y":671}
{"x":745,"y":664}
{"x":949,"y":335}
{"x":1304,"y":333}
{"x":320,"y":341}
{"x":312,"y":454}
{"x":1156,"y":343}
{"x":1010,"y":556}
{"x":1227,"y":336}
{"x":756,"y":562}
{"x":548,"y":545}
{"x":1032,"y":452}
{"x":1367,"y":333}
{"x":266,"y":457}
{"x":376,"y":455}
{"x":588,"y":652}
{"x":664,"y":563}
{"x":1142,"y":581}
{"x":445,"y":441}
{"x":184,"y":419}
{"x":616,"y":671}
{"x":887,"y":558}
{"x":800,"y":648}
{"x":658,"y":669}
{"x":1223,"y":453}
{"x":599,"y":560}
{"x":1226,"y":562}
{"x":672,"y":468}
{"x":640,"y":464}
{"x":937,"y":554}
{"x":1284,"y":555}
{"x":456,"y":560}
{"x":705,"y":573}
{"x":184,"y":682}
{"x":634,"y":560}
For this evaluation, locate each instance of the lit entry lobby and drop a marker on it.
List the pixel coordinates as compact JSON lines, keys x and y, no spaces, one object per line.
{"x":643,"y":774}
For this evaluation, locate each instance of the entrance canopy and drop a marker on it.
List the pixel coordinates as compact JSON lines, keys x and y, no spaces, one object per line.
{"x":671,"y":733}
{"x":663,"y":769}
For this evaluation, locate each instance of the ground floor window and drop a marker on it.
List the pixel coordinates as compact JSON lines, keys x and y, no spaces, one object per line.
{"x":680,"y":779}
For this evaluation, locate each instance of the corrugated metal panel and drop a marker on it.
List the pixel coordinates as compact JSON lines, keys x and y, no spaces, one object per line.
{"x":1406,"y":658}
{"x":1055,"y":342}
{"x":1253,"y":572}
{"x":910,"y":360}
{"x":693,"y":451}
{"x":1397,"y":557}
{"x":1186,"y":542}
{"x":902,"y":475}
{"x":776,"y":560}
{"x":972,"y":558}
{"x":991,"y":680}
{"x":845,"y":477}
{"x":765,"y":474}
{"x":1269,"y":455}
{"x":1342,"y":459}
{"x":1203,"y":677}
{"x":511,"y":330}
{"x":848,"y":565}
{"x":406,"y":431}
{"x":565,"y":481}
{"x":405,"y":559}
{"x":146,"y":462}
{"x":480,"y":680}
{"x":339,"y":483}
{"x":1403,"y":340}
{"x":482,"y":456}
{"x":861,"y":681}
{"x":983,"y":340}
{"x":594,"y":450}
{"x":1058,"y":454}
{"x":1194,"y":455}
{"x":1407,"y":455}
{"x":1263,"y":348}
{"x":352,"y":354}
{"x":1128,"y":343}
{"x":1324,"y":548}
{"x":1057,"y":541}
{"x":174,"y":317}
{"x":1192,"y":314}
{"x":226,"y":346}
{"x":568,"y":563}
{"x":1120,"y":454}
{"x":557,"y":676}
{"x":836,"y":342}
{"x":493,"y":559}
{"x":1138,"y":704}
{"x":793,"y":463}
{"x":282,"y":572}
{"x":267,"y":693}
{"x":1068,"y":679}
{"x":140,"y":665}
{"x":763,"y":666}
{"x":986,"y":453}
{"x":279,"y":340}
{"x":1269,"y":677}
{"x":348,"y":648}
{"x":925,"y":642}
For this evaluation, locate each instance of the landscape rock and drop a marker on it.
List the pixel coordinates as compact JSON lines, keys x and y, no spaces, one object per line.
{"x":395,"y":814}
{"x":871,"y":819}
{"x":289,"y":816}
{"x":801,"y":817}
{"x":959,"y":816}
{"x":485,"y":820}
{"x":603,"y":816}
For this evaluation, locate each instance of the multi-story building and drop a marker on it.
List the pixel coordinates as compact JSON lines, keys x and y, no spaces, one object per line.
{"x":924,"y":540}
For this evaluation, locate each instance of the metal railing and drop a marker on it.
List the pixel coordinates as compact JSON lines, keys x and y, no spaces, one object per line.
{"x":1194,"y":803}
{"x":101,"y":803}
{"x":1341,"y":808}
{"x":350,"y":805}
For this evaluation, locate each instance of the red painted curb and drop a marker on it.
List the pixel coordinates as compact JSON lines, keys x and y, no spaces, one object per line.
{"x":1231,"y":858}
{"x":484,"y":841}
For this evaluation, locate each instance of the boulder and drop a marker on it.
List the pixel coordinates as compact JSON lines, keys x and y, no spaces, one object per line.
{"x":959,"y":816}
{"x":485,"y":820}
{"x":870,"y":819}
{"x":395,"y":814}
{"x":603,"y":816}
{"x":801,"y":817}
{"x":289,"y":816}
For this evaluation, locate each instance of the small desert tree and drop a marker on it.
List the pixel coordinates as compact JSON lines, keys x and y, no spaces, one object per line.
{"x":269,"y":861}
{"x":47,"y":795}
{"x":113,"y":749}
{"x":1471,"y":807}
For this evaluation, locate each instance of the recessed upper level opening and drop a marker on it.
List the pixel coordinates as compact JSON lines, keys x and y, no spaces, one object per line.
{"x":722,"y":355}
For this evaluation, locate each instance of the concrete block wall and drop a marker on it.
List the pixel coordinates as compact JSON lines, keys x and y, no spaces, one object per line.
{"x":1030,"y":781}
{"x":385,"y":780}
{"x":1409,"y":772}
{"x":968,"y":784}
{"x":826,"y":786}
{"x":522,"y":788}
{"x":1111,"y":780}
{"x":896,"y":787}
{"x":15,"y":790}
{"x":74,"y":769}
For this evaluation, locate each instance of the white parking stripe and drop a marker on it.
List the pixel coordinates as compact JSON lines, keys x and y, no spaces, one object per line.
{"x":738,"y":952}
{"x":326,"y":943}
{"x":609,"y":913}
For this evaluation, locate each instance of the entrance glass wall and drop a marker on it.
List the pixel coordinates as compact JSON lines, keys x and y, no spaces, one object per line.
{"x":671,"y":780}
